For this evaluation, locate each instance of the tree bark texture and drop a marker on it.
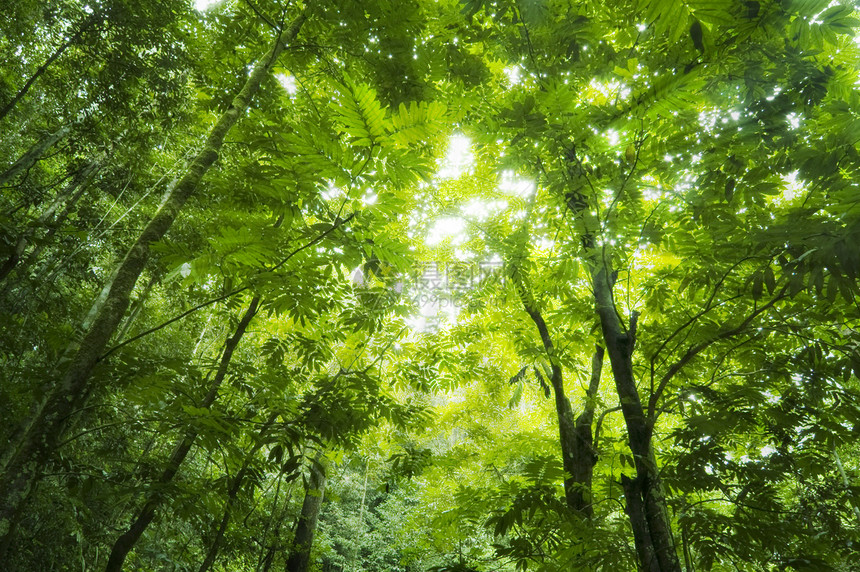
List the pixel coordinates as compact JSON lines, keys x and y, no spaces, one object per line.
{"x":136,"y":308}
{"x":646,"y":503}
{"x":635,"y":510}
{"x":619,"y":346}
{"x":129,"y":538}
{"x":584,"y":453}
{"x":300,"y":556}
{"x":26,"y":457}
{"x":577,"y":452}
{"x":566,"y":425}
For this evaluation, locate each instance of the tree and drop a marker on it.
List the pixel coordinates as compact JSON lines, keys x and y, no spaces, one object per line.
{"x":47,"y":426}
{"x":596,"y":155}
{"x":299,"y":560}
{"x":669,"y":187}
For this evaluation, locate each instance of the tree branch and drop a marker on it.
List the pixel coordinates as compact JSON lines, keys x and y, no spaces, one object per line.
{"x":263,"y":17}
{"x":202,"y":305}
{"x":693,"y":351}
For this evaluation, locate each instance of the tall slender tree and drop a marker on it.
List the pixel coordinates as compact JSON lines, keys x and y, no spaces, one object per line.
{"x":51,"y":416}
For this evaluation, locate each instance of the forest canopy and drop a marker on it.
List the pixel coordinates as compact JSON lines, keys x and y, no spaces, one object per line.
{"x":430,"y":285}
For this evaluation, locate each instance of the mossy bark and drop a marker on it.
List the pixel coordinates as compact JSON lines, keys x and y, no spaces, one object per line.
{"x":300,"y":556}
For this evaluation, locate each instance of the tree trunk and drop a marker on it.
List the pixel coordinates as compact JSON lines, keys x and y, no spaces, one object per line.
{"x":636,"y":513}
{"x":92,"y":19}
{"x":129,"y":538}
{"x":35,"y":153}
{"x":573,"y":491}
{"x":584,"y":453}
{"x":646,"y":503}
{"x":77,"y":186}
{"x":215,"y":546}
{"x":47,"y":426}
{"x":267,"y":553}
{"x":232,"y":493}
{"x":6,"y":543}
{"x":619,"y":345}
{"x":846,"y":483}
{"x":577,"y":452}
{"x":58,"y":221}
{"x":136,"y":308}
{"x":300,"y":556}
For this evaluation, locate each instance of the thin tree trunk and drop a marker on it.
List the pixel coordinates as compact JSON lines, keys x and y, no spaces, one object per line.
{"x":57,"y":222}
{"x":129,"y":538}
{"x":268,"y":559}
{"x":845,"y":483}
{"x":619,"y":345}
{"x":48,"y":425}
{"x":232,"y":493}
{"x":361,"y":513}
{"x":7,"y":542}
{"x":577,"y":452}
{"x":685,"y":545}
{"x":646,"y":503}
{"x":300,"y":556}
{"x":583,"y":444}
{"x":92,"y":19}
{"x":267,"y":553}
{"x":215,"y":545}
{"x":77,"y":186}
{"x":566,"y":424}
{"x":136,"y":308}
{"x":35,"y":153}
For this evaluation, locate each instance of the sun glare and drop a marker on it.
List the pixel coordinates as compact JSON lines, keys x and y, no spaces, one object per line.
{"x":451,"y":227}
{"x":203,"y":5}
{"x":792,"y":187}
{"x":511,"y":184}
{"x":459,"y":159}
{"x":287,"y":82}
{"x":513,"y":73}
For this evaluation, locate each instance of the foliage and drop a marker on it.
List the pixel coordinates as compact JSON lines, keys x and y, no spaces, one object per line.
{"x":341,"y":291}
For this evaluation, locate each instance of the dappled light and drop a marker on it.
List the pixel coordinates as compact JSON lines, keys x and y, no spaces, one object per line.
{"x":458,"y":160}
{"x":430,"y":286}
